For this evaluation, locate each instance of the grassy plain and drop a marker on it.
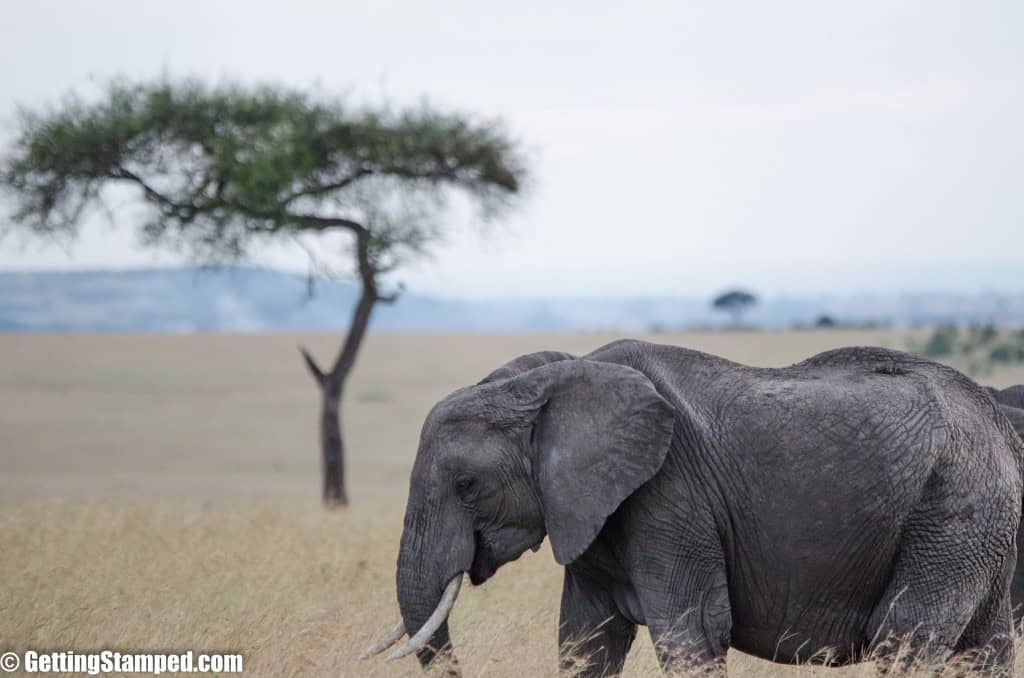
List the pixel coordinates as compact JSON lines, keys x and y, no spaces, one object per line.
{"x":161,"y":492}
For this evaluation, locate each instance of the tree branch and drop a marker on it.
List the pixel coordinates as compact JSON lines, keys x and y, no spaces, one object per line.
{"x":361,"y":315}
{"x":314,"y":369}
{"x":327,"y":188}
{"x":185,"y":212}
{"x":188,"y":211}
{"x":309,"y":220}
{"x":393,"y":297}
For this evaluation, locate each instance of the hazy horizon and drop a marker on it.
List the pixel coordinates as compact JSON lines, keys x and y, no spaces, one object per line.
{"x":991,"y":281}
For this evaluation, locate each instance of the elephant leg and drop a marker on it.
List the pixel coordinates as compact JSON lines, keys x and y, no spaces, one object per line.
{"x":593,"y":635}
{"x":987,"y":642}
{"x":948,"y":591}
{"x":692,"y":625}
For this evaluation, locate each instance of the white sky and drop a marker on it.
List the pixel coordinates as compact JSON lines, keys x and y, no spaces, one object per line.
{"x":789,"y":146}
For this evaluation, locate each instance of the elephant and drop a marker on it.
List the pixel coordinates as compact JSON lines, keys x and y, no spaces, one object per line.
{"x":1012,"y":396}
{"x":860,"y":496}
{"x":1015,"y":415}
{"x":1011,"y":402}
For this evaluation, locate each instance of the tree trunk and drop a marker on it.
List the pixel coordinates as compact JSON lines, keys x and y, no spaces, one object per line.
{"x":332,"y":383}
{"x":332,"y":445}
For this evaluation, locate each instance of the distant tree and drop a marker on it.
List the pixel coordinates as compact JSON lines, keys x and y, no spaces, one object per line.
{"x":825,"y":321}
{"x":978,"y":336}
{"x":942,"y":342}
{"x":1007,"y":353}
{"x":223,"y":168}
{"x":735,"y":303}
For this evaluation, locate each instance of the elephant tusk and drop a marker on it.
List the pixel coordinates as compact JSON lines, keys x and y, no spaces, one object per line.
{"x":392,"y":637}
{"x":433,"y":623}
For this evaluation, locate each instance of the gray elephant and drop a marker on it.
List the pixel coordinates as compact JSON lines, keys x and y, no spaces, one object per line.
{"x":1011,"y":402}
{"x":859,"y":496}
{"x":1015,"y":416}
{"x":1012,"y":396}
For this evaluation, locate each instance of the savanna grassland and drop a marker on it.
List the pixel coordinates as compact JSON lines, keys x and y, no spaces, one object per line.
{"x":161,"y":493}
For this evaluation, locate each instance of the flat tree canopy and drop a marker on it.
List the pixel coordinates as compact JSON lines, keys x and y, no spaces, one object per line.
{"x":734,"y":302}
{"x":221,"y":168}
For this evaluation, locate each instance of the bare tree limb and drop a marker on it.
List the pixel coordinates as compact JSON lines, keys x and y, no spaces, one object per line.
{"x":314,"y":369}
{"x":320,"y":189}
{"x":392,"y":297}
{"x":187,"y":211}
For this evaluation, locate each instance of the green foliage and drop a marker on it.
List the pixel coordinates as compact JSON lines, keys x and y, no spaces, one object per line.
{"x":978,"y":336}
{"x":1007,"y":353}
{"x":942,"y":343}
{"x":982,"y":347}
{"x":221,"y":166}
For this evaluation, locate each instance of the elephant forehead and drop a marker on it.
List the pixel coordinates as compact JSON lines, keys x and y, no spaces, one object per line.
{"x":466,"y":403}
{"x":449,"y":420}
{"x":457,"y":433}
{"x":475,"y":408}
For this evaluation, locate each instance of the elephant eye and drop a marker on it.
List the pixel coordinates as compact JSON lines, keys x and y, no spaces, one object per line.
{"x":465,"y":488}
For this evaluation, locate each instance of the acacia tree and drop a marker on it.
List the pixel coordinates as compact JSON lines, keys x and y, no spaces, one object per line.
{"x":734,"y":302}
{"x":221,"y":169}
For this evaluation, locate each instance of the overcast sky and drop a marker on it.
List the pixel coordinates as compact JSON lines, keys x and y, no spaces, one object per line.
{"x":677,"y":149}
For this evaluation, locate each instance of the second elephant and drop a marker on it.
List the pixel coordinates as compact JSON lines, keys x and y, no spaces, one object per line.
{"x":1011,"y":402}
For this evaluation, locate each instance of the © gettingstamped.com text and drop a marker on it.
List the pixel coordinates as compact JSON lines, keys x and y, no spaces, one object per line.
{"x":112,"y":661}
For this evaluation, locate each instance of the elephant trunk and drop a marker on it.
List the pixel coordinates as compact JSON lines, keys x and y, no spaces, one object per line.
{"x":427,"y":589}
{"x":432,"y":635}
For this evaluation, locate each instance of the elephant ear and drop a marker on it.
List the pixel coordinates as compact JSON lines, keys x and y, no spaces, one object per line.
{"x":524,"y":363}
{"x":600,"y":432}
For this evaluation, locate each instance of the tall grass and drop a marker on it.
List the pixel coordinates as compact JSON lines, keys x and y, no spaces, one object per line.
{"x":296,"y":592}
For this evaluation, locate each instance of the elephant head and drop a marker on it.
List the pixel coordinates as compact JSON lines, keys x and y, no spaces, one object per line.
{"x":546,"y":445}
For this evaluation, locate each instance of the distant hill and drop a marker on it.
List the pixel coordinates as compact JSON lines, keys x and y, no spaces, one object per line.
{"x":246,"y":299}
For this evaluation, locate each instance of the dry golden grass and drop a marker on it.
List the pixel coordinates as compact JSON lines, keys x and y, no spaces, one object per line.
{"x":161,"y":493}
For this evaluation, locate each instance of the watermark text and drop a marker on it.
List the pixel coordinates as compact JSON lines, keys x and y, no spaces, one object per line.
{"x":111,"y":661}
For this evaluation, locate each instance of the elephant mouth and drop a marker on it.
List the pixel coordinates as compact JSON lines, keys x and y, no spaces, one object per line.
{"x":484,"y":563}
